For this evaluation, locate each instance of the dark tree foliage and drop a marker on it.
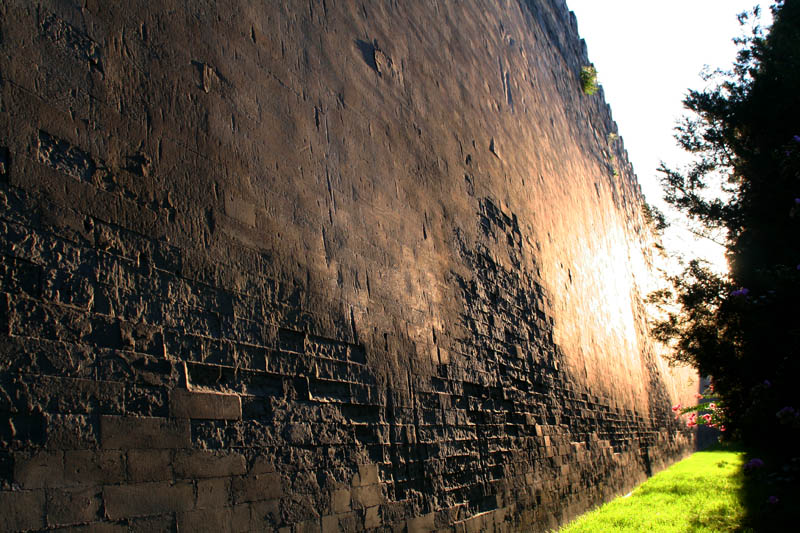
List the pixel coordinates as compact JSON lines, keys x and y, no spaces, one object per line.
{"x":744,"y":134}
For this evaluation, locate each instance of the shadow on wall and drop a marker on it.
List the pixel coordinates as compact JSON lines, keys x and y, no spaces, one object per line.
{"x":368,"y":53}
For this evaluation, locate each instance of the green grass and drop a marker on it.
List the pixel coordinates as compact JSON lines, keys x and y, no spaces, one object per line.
{"x":699,"y":494}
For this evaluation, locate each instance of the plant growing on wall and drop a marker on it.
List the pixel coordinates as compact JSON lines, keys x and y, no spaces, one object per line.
{"x":589,"y":79}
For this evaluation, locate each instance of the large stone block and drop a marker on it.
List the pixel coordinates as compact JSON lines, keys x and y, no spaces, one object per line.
{"x":367,"y":475}
{"x":308,"y":526}
{"x":368,"y":496}
{"x":330,"y":524}
{"x":149,"y":465}
{"x":162,"y":522}
{"x":213,"y":493}
{"x":22,"y":510}
{"x":205,"y":463}
{"x":73,"y":506}
{"x":372,"y":517}
{"x":124,"y":432}
{"x":340,"y":500}
{"x":220,"y":520}
{"x":205,"y":405}
{"x":146,"y":499}
{"x":39,"y":470}
{"x":88,"y":467}
{"x":422,"y":524}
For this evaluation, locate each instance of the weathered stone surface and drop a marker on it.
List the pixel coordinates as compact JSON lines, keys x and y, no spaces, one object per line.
{"x":424,"y":524}
{"x":88,"y":467}
{"x":96,"y":527}
{"x":188,"y":404}
{"x":201,"y":464}
{"x":369,"y":496}
{"x":256,"y":488}
{"x":222,"y":520}
{"x":372,"y":517}
{"x":264,"y":515}
{"x":367,"y":475}
{"x":73,"y":506}
{"x":145,"y":499}
{"x":163,"y":522}
{"x":149,"y":465}
{"x":215,"y":492}
{"x":340,"y":501}
{"x":40,"y":470}
{"x":143,"y":433}
{"x":302,"y":266}
{"x":22,"y":510}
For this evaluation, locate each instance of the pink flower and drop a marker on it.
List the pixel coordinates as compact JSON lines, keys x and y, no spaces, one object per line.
{"x":707,"y":418}
{"x":712,"y":406}
{"x":722,"y":428}
{"x":676,"y":407}
{"x":698,"y":396}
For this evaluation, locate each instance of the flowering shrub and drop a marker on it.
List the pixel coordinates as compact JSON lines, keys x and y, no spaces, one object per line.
{"x":744,"y":140}
{"x":706,"y":413}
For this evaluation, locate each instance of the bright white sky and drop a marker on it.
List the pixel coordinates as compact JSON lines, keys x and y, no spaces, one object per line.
{"x":647,"y":55}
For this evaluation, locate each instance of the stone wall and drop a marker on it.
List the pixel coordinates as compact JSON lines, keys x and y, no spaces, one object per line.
{"x":317,"y":265}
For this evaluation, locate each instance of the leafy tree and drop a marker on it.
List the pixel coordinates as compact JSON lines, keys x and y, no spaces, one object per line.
{"x":744,"y":134}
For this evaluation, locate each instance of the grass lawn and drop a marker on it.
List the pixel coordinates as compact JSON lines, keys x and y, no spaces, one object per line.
{"x":702,"y":493}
